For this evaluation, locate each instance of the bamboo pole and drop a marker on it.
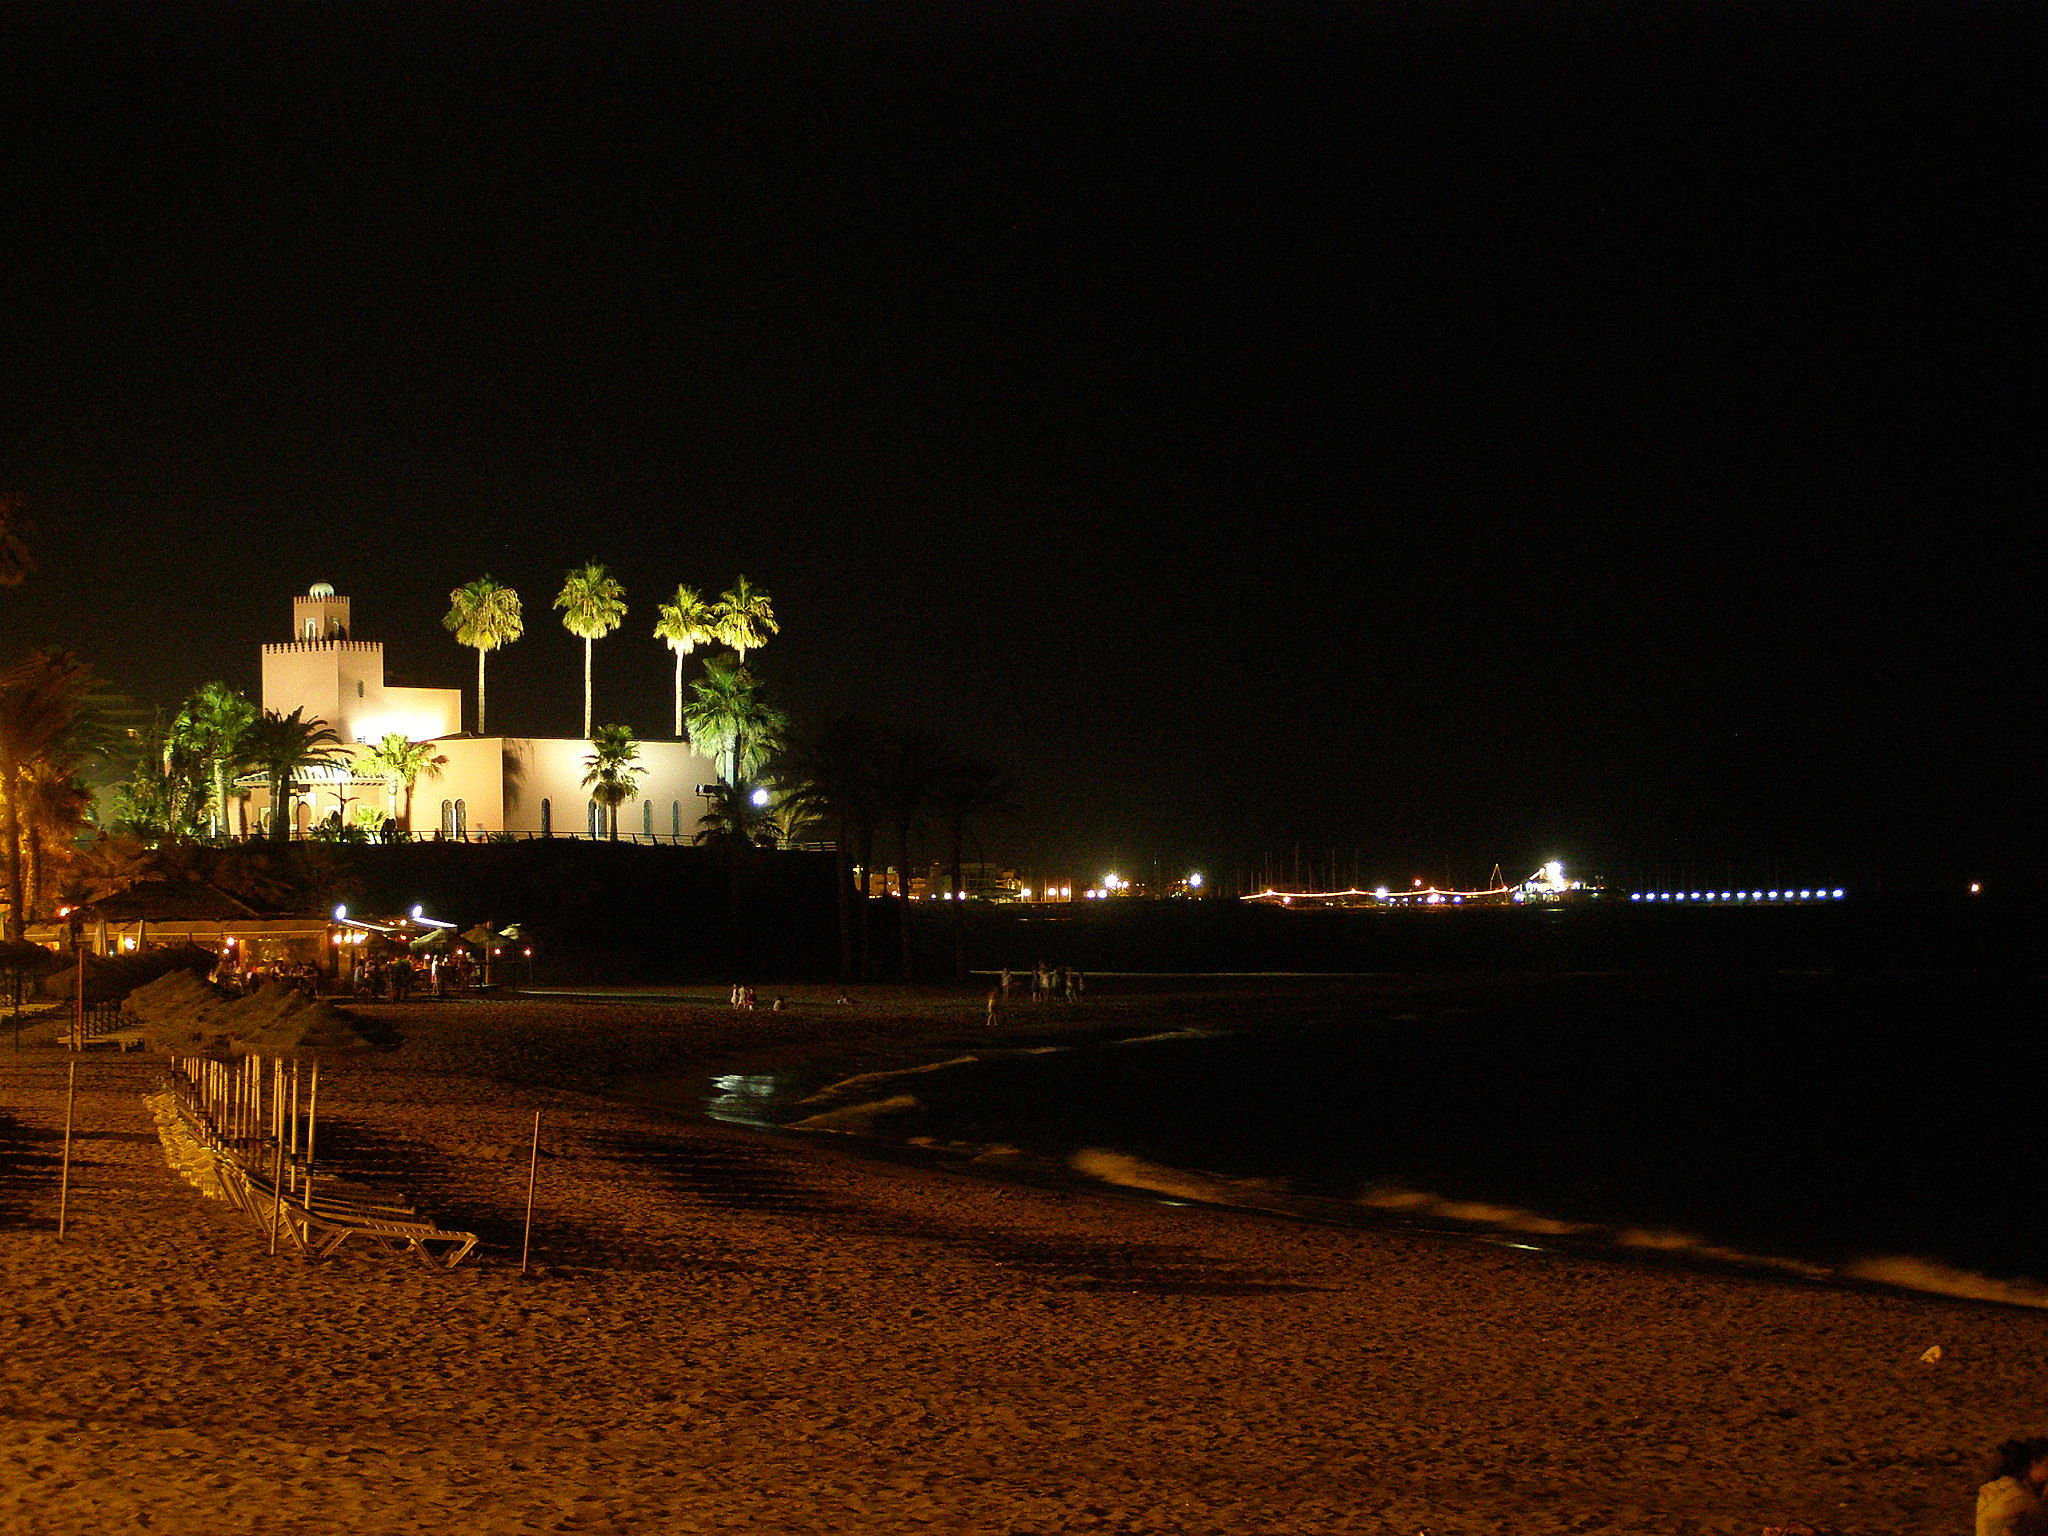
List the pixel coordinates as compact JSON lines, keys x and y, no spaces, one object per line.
{"x":295,"y":1125}
{"x":64,"y":1186}
{"x":532,"y":1167}
{"x":277,"y":1161}
{"x":312,"y":1124}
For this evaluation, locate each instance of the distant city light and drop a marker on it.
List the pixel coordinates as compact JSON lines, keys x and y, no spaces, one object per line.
{"x":759,"y":797}
{"x":419,"y":911}
{"x":1195,"y":881}
{"x":1381,"y":893}
{"x":1976,"y":889}
{"x":340,"y":914}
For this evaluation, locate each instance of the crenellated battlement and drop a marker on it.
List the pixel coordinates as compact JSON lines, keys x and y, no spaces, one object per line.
{"x":289,"y":646}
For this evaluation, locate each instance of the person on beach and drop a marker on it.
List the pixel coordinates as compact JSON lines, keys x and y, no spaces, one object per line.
{"x":1009,"y":982}
{"x":992,"y":995}
{"x":2010,"y":1503}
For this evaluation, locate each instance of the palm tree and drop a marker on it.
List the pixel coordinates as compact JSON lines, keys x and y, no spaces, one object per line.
{"x":39,"y":704}
{"x":215,"y":719}
{"x":55,"y":807}
{"x":968,"y":787}
{"x":614,"y":772}
{"x":745,"y":619}
{"x":16,"y":560}
{"x":736,"y":819}
{"x":835,"y":773}
{"x":485,"y":615}
{"x":907,"y":780}
{"x":283,"y":747}
{"x":593,"y":605}
{"x":404,"y":762}
{"x":685,"y":624}
{"x":727,"y":715}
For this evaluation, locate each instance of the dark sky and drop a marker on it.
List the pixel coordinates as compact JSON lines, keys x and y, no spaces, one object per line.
{"x":1449,"y":432}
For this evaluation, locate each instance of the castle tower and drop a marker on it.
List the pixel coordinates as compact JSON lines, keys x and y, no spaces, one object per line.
{"x":319,"y":615}
{"x":331,"y":677}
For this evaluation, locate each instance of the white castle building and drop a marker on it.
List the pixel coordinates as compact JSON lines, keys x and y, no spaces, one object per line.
{"x":525,"y":785}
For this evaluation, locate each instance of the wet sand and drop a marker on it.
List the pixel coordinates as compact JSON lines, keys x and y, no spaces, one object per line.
{"x":728,"y":1331}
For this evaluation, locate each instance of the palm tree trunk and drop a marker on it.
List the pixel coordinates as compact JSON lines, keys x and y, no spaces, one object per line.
{"x":32,"y":885}
{"x":10,"y":830}
{"x":842,"y":871}
{"x":959,"y":904}
{"x":586,"y":688}
{"x":280,"y":809}
{"x":679,"y":695}
{"x":903,"y":887}
{"x":865,"y":910}
{"x":480,"y":691}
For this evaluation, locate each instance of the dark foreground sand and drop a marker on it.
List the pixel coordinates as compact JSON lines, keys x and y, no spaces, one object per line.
{"x":733,"y":1332}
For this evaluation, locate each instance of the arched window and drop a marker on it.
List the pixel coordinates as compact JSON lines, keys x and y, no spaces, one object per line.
{"x":461,"y":818}
{"x":675,"y":818}
{"x":302,"y":816}
{"x":596,"y":819}
{"x":547,"y":818}
{"x":647,"y":817}
{"x":447,"y":815}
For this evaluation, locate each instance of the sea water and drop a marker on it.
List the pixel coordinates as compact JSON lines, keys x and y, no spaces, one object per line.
{"x":1877,"y":1128}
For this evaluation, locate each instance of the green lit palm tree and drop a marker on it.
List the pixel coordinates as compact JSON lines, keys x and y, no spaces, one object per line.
{"x":745,"y":618}
{"x":613,"y":775}
{"x":283,"y":747}
{"x":685,"y":624}
{"x":403,"y":763}
{"x":728,"y":717}
{"x":593,"y":605}
{"x":485,"y":615}
{"x":216,"y":720}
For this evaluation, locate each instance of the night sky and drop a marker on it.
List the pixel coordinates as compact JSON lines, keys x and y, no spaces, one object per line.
{"x":1449,"y":432}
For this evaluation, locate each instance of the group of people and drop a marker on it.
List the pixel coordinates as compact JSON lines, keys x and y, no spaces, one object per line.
{"x":242,"y":980}
{"x":395,"y":978}
{"x":1048,"y":983}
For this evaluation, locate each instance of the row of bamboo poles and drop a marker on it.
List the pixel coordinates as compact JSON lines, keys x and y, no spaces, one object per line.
{"x":249,"y":1109}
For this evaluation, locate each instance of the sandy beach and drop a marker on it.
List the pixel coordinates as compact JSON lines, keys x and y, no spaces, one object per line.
{"x":726,"y":1330}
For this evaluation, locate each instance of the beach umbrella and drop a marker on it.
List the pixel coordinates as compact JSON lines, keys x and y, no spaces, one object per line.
{"x":430,"y":943}
{"x":480,"y":934}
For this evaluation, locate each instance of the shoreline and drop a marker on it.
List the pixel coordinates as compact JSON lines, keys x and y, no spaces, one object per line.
{"x":728,"y":1331}
{"x":879,"y":1067}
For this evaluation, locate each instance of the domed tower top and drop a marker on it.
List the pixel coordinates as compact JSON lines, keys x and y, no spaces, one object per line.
{"x":319,"y":615}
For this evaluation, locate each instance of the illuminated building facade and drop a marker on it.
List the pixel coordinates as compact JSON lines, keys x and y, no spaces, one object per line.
{"x":523,"y":785}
